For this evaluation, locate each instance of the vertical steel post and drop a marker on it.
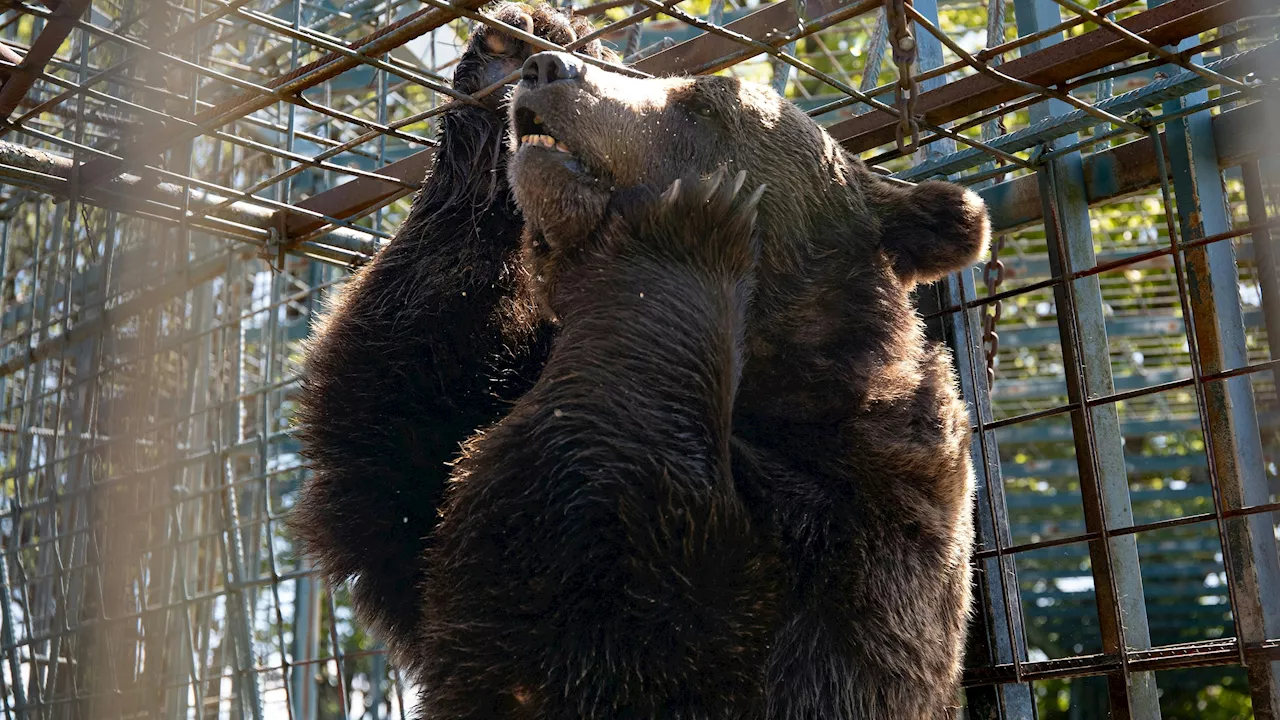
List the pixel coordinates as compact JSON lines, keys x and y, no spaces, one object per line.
{"x":305,"y":694}
{"x":1001,"y":625}
{"x":306,"y":646}
{"x":1233,"y":421}
{"x":928,"y":57}
{"x":1104,"y":482}
{"x":8,"y":639}
{"x":1266,"y":256}
{"x":1004,"y":636}
{"x":781,"y":70}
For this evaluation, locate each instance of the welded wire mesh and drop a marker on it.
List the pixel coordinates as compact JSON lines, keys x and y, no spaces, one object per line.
{"x":183,"y":183}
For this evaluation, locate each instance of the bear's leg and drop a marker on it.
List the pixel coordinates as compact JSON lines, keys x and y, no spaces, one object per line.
{"x":877,"y":598}
{"x":822,"y":669}
{"x":401,"y":373}
{"x":594,"y":559}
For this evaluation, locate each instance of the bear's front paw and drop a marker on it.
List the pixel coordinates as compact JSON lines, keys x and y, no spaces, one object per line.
{"x":705,"y":221}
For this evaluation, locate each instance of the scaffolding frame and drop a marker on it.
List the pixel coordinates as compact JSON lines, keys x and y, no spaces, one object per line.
{"x":183,"y":182}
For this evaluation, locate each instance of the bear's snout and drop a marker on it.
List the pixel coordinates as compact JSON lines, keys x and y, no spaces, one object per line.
{"x":545,"y":68}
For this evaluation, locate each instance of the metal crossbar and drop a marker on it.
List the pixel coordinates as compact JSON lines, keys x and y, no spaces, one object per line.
{"x":184,"y":184}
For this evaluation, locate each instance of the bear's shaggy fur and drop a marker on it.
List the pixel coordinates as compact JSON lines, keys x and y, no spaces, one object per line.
{"x":426,"y":344}
{"x":737,"y":486}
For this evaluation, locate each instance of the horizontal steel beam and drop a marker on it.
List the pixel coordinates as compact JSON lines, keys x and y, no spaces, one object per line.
{"x":1203,"y":653}
{"x":1124,"y":170}
{"x":1014,"y":204}
{"x":1052,"y":128}
{"x":1060,"y":62}
{"x":9,"y":55}
{"x":361,"y":194}
{"x":294,"y":82}
{"x":34,"y":169}
{"x":706,"y":51}
{"x":709,"y":52}
{"x":55,"y":32}
{"x":1165,"y":25}
{"x":1112,"y":174}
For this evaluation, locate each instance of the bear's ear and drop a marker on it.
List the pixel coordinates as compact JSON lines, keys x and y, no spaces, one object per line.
{"x":582,"y":26}
{"x":931,"y":229}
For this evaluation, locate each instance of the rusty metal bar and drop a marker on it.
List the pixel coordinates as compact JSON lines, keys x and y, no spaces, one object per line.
{"x":307,"y":76}
{"x":1000,"y":624}
{"x":709,"y":50}
{"x":1225,"y":81}
{"x":114,"y":70}
{"x":1014,"y":204}
{"x":360,"y":195}
{"x":1104,"y":481}
{"x":705,"y":53}
{"x":1249,"y":544}
{"x":60,"y":24}
{"x":1099,"y":454}
{"x":988,"y":54}
{"x":1073,"y":122}
{"x":252,"y":221}
{"x":1110,"y":174}
{"x":1205,"y":653}
{"x":365,"y":194}
{"x":770,"y":25}
{"x":1265,"y":253}
{"x":1125,"y":169}
{"x":1071,"y":58}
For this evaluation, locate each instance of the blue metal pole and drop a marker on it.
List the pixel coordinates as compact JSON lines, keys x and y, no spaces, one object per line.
{"x":1238,"y":460}
{"x":928,"y":57}
{"x":1104,"y":481}
{"x":1002,"y":621}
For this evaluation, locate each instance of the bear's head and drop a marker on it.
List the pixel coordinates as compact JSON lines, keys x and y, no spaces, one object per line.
{"x":841,"y":246}
{"x":491,"y":54}
{"x":469,"y":170}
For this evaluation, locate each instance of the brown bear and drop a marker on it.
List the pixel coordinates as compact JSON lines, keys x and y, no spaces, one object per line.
{"x":427,"y":343}
{"x":737,"y":485}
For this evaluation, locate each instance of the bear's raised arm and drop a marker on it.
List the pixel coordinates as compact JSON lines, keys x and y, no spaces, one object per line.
{"x":399,"y":374}
{"x":594,"y":559}
{"x":424,"y":346}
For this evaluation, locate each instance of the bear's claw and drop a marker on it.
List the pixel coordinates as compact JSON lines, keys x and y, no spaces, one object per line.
{"x":712,"y":201}
{"x":706,"y":220}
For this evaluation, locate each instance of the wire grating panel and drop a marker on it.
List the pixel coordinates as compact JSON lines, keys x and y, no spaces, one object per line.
{"x":184,"y":183}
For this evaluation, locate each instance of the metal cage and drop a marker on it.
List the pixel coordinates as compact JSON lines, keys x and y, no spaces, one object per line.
{"x":182,"y":183}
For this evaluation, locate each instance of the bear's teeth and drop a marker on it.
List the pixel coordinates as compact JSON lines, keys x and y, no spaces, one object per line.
{"x":545,"y":141}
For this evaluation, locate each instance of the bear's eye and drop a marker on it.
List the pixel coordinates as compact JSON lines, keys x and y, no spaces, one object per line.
{"x":499,"y":45}
{"x":699,"y":107}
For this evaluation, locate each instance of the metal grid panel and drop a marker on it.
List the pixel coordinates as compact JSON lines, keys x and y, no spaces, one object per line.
{"x":184,"y":182}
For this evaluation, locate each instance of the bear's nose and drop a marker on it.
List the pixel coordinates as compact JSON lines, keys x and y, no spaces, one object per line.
{"x":545,"y":68}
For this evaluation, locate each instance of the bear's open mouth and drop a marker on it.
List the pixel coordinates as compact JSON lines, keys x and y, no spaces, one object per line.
{"x":530,"y":130}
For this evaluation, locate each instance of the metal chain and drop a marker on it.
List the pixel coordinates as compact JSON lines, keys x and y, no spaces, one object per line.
{"x":993,"y":275}
{"x":994,"y":271}
{"x":633,"y":35}
{"x":904,"y":56}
